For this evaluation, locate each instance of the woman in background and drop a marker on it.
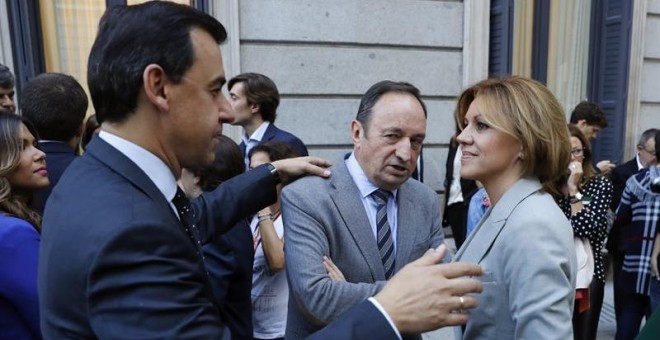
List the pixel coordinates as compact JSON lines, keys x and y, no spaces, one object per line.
{"x":270,"y":289}
{"x":585,"y":201}
{"x":22,"y":171}
{"x":515,"y":142}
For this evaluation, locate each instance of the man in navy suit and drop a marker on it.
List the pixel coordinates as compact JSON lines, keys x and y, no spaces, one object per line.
{"x":254,"y":98}
{"x":120,"y":251}
{"x":56,"y":104}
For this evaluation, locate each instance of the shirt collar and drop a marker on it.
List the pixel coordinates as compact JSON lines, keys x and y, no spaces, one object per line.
{"x":153,"y":166}
{"x":640,"y":166}
{"x":365,"y":186}
{"x":257,"y":135}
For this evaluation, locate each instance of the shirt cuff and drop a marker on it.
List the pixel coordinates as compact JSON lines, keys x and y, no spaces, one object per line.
{"x":387,"y":316}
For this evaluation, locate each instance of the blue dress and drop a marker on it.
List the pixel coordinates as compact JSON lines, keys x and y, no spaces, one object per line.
{"x":19,"y":305}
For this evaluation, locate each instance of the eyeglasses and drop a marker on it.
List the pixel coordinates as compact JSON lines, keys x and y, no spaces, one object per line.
{"x":577,"y":152}
{"x":650,"y":152}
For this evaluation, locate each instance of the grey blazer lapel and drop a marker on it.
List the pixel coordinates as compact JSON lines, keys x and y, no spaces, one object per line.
{"x":407,"y":223}
{"x":346,"y":196}
{"x":484,"y":235}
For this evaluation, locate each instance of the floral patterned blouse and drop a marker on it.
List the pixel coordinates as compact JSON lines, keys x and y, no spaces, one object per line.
{"x":591,"y":221}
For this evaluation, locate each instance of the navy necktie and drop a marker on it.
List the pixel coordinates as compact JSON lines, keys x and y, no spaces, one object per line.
{"x":187,"y":217}
{"x":383,"y":231}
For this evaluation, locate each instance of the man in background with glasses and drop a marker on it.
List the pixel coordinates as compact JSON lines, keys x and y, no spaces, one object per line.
{"x":644,"y":158}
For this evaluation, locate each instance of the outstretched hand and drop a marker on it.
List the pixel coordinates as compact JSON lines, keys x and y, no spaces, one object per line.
{"x":426,"y":295}
{"x":292,"y":168}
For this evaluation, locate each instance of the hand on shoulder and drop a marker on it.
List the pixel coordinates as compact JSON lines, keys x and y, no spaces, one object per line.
{"x":292,"y":168}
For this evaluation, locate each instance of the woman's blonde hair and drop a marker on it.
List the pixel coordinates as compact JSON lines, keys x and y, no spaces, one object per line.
{"x":11,"y":146}
{"x":529,"y":112}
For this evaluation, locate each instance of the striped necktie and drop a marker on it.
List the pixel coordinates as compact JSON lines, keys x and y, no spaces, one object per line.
{"x":383,"y":231}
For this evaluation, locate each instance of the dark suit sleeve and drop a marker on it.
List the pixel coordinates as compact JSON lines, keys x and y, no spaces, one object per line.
{"x":242,"y":196}
{"x":299,"y":146}
{"x":619,"y":183}
{"x":363,"y":321}
{"x":146,"y":282}
{"x":619,"y":176}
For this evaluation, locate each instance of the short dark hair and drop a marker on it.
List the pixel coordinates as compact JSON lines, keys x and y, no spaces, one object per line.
{"x":379,"y":89}
{"x":259,"y":90}
{"x":646,"y":135}
{"x":276,"y":150}
{"x":591,"y":113}
{"x":132,"y":37}
{"x":7,"y":80}
{"x":228,"y":163}
{"x":56,"y":104}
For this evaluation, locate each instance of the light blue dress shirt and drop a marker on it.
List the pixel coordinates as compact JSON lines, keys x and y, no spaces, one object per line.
{"x":366,"y":187}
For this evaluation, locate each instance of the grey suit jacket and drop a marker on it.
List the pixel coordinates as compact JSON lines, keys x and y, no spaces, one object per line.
{"x":326,"y":217}
{"x":525,"y":245}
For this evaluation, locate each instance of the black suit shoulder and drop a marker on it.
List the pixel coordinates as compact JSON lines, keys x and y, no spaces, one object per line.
{"x":277,"y":134}
{"x":619,"y":176}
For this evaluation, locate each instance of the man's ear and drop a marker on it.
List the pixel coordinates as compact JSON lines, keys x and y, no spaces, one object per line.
{"x":154,"y":80}
{"x":357,"y":132}
{"x":581,"y":124}
{"x":254,"y":108}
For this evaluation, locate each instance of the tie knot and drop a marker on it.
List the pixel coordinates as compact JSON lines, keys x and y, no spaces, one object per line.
{"x":381,"y":196}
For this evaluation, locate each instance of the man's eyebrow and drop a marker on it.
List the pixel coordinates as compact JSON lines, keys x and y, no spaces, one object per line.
{"x":393,"y":129}
{"x":218,"y":82}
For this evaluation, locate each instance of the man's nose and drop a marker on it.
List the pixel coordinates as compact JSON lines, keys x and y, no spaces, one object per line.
{"x":226,"y":111}
{"x":404,"y":149}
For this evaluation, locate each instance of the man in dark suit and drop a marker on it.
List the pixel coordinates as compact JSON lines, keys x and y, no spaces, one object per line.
{"x":7,"y":91}
{"x":120,"y":248}
{"x":254,"y":98}
{"x":644,"y":158}
{"x":56,"y":104}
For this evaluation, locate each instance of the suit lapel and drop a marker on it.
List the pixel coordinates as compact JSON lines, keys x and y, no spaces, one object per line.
{"x":119,"y":163}
{"x":477,"y":246}
{"x":346,"y":198}
{"x":270,"y":133}
{"x":407,"y":223}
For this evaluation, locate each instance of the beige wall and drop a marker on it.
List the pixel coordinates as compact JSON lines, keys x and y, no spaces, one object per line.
{"x":647,"y":113}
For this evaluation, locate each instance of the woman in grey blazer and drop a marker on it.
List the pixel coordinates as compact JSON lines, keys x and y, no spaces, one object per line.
{"x":515,"y":142}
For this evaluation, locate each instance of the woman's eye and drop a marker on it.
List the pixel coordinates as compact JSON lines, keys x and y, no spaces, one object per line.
{"x":482,"y":126}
